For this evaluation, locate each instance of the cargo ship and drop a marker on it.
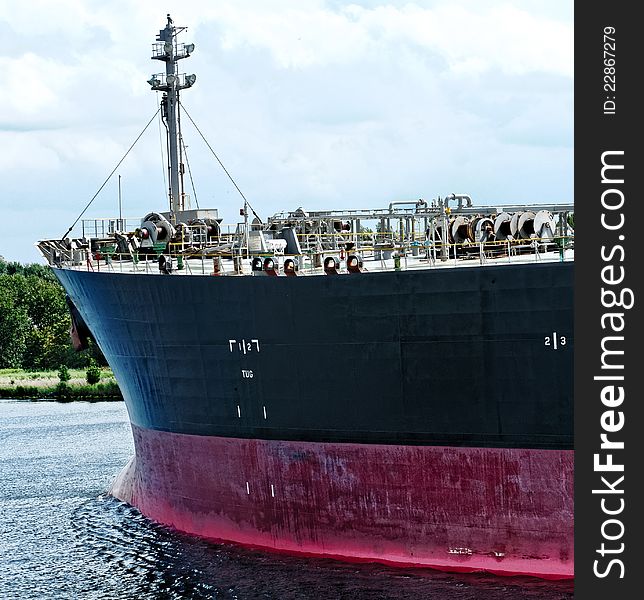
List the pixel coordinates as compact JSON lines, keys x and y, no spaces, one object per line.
{"x":390,"y":385}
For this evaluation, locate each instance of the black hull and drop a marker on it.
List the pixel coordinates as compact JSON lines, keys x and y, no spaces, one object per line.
{"x":449,"y":357}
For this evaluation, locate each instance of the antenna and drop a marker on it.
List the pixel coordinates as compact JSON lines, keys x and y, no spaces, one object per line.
{"x":171,"y":82}
{"x":121,"y":227}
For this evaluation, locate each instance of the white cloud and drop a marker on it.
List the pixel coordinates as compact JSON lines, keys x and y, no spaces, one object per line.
{"x":502,"y":37}
{"x":31,"y":87}
{"x":326,"y":103}
{"x":18,"y":146}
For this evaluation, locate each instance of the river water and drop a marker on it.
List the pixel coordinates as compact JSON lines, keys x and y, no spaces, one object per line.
{"x":62,"y":537}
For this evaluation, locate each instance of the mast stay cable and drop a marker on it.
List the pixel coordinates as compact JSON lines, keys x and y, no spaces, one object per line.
{"x":192,"y":181}
{"x":220,"y":163}
{"x":110,"y":175}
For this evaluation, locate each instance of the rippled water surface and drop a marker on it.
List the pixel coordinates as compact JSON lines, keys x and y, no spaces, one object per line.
{"x":62,"y":537}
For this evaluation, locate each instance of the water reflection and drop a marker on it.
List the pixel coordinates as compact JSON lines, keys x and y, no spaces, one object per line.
{"x":143,"y":560}
{"x":62,"y":537}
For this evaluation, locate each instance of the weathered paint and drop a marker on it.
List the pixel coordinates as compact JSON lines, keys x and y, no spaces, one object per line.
{"x":428,"y":413}
{"x":501,"y":510}
{"x":438,"y":357}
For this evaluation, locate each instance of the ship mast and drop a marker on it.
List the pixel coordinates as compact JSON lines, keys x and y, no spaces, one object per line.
{"x":169,"y":51}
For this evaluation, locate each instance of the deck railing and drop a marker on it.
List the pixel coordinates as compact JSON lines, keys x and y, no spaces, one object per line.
{"x":375,"y":257}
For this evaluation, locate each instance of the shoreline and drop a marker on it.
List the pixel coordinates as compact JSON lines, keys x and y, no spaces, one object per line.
{"x":45,"y":386}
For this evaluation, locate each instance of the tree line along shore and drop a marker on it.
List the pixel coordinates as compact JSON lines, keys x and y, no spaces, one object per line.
{"x":37,"y":359}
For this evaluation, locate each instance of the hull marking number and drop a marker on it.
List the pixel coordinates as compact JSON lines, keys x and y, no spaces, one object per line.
{"x":555,"y":341}
{"x":244,"y":346}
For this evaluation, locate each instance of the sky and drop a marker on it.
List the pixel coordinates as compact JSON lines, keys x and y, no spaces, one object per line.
{"x":312,"y":103}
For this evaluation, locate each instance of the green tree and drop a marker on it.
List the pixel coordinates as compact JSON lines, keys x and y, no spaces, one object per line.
{"x":48,"y":343}
{"x":14,"y":329}
{"x":35,"y":321}
{"x":15,"y":268}
{"x":93,"y":374}
{"x":63,"y":374}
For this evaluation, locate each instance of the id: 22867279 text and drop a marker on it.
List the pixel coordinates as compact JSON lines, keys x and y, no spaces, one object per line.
{"x":610,"y":82}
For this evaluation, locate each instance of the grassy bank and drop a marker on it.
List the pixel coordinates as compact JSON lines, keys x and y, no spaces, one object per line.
{"x":45,"y":385}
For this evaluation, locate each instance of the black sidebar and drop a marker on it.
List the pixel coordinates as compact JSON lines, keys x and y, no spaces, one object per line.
{"x":609,"y":421}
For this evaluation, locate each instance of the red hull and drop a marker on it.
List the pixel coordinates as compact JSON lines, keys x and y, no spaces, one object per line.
{"x":504,"y":511}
